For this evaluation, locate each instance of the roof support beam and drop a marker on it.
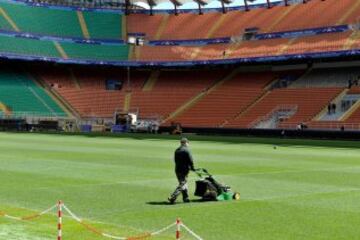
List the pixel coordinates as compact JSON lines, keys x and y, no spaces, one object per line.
{"x":127,"y":6}
{"x":176,"y":5}
{"x":268,"y":3}
{"x":200,"y":10}
{"x":223,"y":7}
{"x":223,"y":2}
{"x":151,"y":10}
{"x":246,"y":5}
{"x":151,"y":3}
{"x":200,"y":4}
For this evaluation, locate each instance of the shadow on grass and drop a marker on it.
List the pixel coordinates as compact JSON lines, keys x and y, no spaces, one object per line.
{"x":178,"y":202}
{"x":226,"y":139}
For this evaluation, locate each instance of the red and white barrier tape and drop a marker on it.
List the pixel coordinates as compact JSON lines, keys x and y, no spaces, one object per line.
{"x":27,"y":218}
{"x":191,"y":232}
{"x":163,"y":229}
{"x":178,"y":224}
{"x":60,"y":206}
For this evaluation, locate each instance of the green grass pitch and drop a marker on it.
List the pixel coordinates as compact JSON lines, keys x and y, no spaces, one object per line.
{"x":303,"y":189}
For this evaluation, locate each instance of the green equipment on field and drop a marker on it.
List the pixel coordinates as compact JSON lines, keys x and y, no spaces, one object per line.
{"x":210,"y":190}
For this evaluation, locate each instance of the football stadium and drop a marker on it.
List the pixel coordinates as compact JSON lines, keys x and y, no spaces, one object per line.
{"x":179,"y":119}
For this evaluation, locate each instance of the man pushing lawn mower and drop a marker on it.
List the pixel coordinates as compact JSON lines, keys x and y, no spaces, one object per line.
{"x":183,"y":164}
{"x":207,"y":188}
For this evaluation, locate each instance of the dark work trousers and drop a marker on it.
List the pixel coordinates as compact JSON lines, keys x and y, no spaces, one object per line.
{"x":181,"y":188}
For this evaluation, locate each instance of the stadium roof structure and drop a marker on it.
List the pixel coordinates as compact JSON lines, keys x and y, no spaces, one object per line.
{"x":175,"y":6}
{"x":201,"y":3}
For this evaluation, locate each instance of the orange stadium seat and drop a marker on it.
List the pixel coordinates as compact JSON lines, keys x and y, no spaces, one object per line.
{"x":223,"y":103}
{"x":88,"y":94}
{"x":313,"y":14}
{"x":304,"y":99}
{"x":171,"y":90}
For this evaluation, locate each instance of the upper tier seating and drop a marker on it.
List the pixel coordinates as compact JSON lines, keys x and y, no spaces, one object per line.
{"x":96,"y":52}
{"x":44,"y":48}
{"x":104,"y":25}
{"x":255,"y":48}
{"x":313,"y":14}
{"x":62,"y":23}
{"x":22,"y":96}
{"x":27,"y":47}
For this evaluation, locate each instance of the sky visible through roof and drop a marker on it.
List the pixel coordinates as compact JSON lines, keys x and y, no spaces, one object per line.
{"x":213,"y":4}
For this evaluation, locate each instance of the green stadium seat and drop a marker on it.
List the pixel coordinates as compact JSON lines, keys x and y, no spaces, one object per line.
{"x":23,"y":96}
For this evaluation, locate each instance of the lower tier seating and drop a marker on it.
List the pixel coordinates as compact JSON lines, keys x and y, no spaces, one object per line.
{"x":22,"y":96}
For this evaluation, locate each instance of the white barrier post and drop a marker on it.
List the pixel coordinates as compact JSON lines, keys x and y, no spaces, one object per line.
{"x":59,"y":220}
{"x":178,"y":224}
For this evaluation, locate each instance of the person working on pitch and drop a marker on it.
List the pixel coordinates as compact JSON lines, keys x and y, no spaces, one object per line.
{"x":183,"y":164}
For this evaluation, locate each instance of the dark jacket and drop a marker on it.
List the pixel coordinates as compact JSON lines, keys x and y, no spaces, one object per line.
{"x":183,"y":160}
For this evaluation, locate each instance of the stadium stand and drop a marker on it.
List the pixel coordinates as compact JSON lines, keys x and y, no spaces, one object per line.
{"x":233,"y":23}
{"x":85,"y":90}
{"x":37,"y":20}
{"x":96,"y":52}
{"x":22,"y":46}
{"x":222,"y":97}
{"x":47,"y":48}
{"x":63,"y":23}
{"x":254,"y":48}
{"x":172,"y":90}
{"x":322,"y":78}
{"x":309,"y":102}
{"x":24,"y":97}
{"x":104,"y":25}
{"x":225,"y":101}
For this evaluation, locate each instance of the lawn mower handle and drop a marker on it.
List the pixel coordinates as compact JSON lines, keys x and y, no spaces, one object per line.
{"x":202,"y":171}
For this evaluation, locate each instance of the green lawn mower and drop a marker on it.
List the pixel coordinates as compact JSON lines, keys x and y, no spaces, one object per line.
{"x":210,"y":190}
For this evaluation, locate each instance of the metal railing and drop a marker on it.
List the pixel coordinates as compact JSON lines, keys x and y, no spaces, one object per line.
{"x":279,"y":108}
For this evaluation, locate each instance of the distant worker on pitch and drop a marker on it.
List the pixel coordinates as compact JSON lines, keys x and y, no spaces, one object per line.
{"x":183,"y":164}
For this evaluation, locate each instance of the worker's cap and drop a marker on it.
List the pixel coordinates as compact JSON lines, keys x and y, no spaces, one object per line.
{"x":184,"y":140}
